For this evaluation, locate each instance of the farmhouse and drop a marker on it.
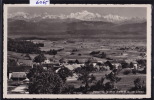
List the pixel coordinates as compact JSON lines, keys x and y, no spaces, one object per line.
{"x":18,"y":76}
{"x":55,"y":66}
{"x":135,"y":66}
{"x":116,"y":65}
{"x":73,"y":66}
{"x":72,"y":78}
{"x":47,"y":61}
{"x":24,"y":62}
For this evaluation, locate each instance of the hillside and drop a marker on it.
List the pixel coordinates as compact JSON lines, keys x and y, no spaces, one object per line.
{"x":86,"y":29}
{"x":76,"y":25}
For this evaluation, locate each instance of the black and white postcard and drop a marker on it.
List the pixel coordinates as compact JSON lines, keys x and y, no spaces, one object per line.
{"x":77,"y":51}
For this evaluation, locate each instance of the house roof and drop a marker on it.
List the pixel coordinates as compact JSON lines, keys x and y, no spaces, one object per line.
{"x":72,"y":78}
{"x":18,"y":75}
{"x":73,"y":66}
{"x":27,"y":62}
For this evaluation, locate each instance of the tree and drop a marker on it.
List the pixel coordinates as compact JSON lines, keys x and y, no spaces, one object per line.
{"x":124,"y":64}
{"x":109,"y":64}
{"x":62,"y":60}
{"x":64,"y":73}
{"x":113,"y":77}
{"x":85,"y":75}
{"x":22,"y":46}
{"x":94,"y":52}
{"x":144,"y":71}
{"x":12,"y":62}
{"x":103,"y":55}
{"x":141,"y":62}
{"x":37,"y":69}
{"x":69,"y":89}
{"x":131,"y":65}
{"x":110,"y":86}
{"x":139,"y":85}
{"x":76,"y":61}
{"x":52,"y":52}
{"x":44,"y":81}
{"x":28,"y":56}
{"x":99,"y":85}
{"x":40,"y":58}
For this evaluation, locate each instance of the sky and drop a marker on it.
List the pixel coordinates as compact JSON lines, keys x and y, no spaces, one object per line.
{"x":121,"y":11}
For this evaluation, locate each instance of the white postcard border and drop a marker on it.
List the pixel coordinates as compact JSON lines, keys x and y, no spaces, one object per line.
{"x":107,"y":96}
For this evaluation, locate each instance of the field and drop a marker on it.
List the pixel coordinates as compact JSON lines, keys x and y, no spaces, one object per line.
{"x":126,"y":82}
{"x":85,"y":47}
{"x":80,"y":49}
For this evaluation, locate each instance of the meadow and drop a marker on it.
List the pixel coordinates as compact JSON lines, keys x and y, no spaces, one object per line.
{"x":82,"y":49}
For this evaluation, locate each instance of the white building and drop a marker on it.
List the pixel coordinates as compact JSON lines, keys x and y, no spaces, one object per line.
{"x":116,"y":65}
{"x":47,"y":61}
{"x":72,"y":78}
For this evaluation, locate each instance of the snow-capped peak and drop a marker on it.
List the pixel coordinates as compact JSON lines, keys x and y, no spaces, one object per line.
{"x":83,"y":15}
{"x":19,"y":14}
{"x":115,"y":18}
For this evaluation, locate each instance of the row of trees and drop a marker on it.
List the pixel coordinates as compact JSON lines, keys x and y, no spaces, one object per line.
{"x":98,"y":54}
{"x":139,"y":48}
{"x":22,"y":46}
{"x":40,"y":58}
{"x":40,"y":79}
{"x":46,"y":81}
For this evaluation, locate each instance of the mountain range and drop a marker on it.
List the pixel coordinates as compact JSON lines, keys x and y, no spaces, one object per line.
{"x":82,"y":24}
{"x":83,"y":15}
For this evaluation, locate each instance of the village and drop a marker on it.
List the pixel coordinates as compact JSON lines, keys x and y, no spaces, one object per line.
{"x":18,"y":81}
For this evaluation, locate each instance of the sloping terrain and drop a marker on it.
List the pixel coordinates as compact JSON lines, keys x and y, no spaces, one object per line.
{"x":75,"y":29}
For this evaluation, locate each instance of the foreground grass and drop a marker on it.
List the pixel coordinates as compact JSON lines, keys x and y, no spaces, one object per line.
{"x":126,"y":82}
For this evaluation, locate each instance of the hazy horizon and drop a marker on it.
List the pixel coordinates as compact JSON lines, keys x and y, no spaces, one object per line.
{"x":121,"y":11}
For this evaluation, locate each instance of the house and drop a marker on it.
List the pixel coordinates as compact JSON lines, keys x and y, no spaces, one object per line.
{"x":70,"y":67}
{"x":135,"y":66}
{"x":55,"y":66}
{"x":116,"y":65}
{"x":92,"y":60}
{"x":45,"y":68}
{"x":72,"y":78}
{"x":10,"y":74}
{"x":18,"y":75}
{"x":24,"y":62}
{"x":97,"y":67}
{"x":73,"y":66}
{"x":105,"y":68}
{"x":102,"y":67}
{"x":94,"y":64}
{"x":47,"y":61}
